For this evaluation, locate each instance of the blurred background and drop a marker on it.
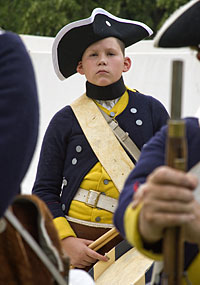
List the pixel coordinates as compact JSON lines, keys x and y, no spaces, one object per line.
{"x":46,"y":17}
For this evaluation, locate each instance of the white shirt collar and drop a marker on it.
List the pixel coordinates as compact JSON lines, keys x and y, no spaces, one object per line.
{"x":108,"y":104}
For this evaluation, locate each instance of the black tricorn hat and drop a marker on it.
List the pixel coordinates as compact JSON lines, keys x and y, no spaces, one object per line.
{"x":73,"y":39}
{"x":182,"y":28}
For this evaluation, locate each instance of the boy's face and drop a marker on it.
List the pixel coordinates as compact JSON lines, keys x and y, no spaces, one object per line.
{"x":103,"y":62}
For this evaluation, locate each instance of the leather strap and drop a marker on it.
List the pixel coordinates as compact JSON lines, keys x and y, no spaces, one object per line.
{"x":122,"y":136}
{"x":96,"y":199}
{"x":102,"y":140}
{"x":35,"y":247}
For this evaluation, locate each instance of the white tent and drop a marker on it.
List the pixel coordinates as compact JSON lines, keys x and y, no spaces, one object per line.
{"x":150,"y":74}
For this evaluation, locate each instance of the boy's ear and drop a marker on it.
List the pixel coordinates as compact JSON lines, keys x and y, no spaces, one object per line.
{"x":127,"y":64}
{"x":79,"y":68}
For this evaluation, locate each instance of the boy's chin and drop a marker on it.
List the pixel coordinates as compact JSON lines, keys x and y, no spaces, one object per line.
{"x":103,"y":83}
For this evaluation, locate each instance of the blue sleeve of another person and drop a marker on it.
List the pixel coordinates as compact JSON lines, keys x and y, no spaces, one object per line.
{"x":19,"y":115}
{"x":152,"y":156}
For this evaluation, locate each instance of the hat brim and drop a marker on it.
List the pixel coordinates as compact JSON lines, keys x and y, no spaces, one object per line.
{"x":73,"y":39}
{"x":182,"y":28}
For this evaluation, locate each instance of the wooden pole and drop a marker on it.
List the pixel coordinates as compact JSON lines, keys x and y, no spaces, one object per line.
{"x":102,"y":240}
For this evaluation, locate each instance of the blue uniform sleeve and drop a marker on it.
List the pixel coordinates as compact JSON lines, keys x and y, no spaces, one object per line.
{"x":152,"y":156}
{"x":19,"y":115}
{"x":53,"y":156}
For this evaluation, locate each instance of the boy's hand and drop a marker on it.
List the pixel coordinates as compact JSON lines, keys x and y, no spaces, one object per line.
{"x":79,"y":253}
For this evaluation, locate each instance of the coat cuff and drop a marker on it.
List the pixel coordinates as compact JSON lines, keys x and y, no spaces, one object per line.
{"x":63,"y":227}
{"x":133,"y":236}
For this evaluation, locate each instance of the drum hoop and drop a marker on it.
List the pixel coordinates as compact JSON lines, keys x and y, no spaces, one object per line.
{"x":118,"y":251}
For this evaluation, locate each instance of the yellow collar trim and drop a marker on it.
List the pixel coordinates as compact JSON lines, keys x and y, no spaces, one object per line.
{"x":119,"y":106}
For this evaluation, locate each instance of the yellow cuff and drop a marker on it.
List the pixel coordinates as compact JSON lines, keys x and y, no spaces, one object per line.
{"x":63,"y":227}
{"x":193,"y":271}
{"x":133,"y":236}
{"x":130,"y":225}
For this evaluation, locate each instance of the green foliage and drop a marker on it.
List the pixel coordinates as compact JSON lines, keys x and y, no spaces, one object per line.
{"x":143,"y":11}
{"x":169,"y":7}
{"x":47,"y":17}
{"x":38,"y":17}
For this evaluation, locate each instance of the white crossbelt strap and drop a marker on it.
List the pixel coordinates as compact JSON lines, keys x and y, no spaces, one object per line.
{"x":96,"y":199}
{"x":102,"y":140}
{"x":122,"y":136}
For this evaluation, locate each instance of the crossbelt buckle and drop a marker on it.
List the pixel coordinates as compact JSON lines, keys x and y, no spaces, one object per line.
{"x":113,"y":124}
{"x":92,"y":198}
{"x":125,"y":136}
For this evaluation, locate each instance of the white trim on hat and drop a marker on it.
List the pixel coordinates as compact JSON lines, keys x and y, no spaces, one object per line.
{"x":58,"y":37}
{"x":172,"y":19}
{"x":102,"y":11}
{"x":84,"y":22}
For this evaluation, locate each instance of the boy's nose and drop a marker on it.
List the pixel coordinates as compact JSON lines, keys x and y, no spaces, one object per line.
{"x":102,"y":60}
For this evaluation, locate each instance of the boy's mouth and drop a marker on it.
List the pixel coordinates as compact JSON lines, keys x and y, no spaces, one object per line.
{"x":102,"y":71}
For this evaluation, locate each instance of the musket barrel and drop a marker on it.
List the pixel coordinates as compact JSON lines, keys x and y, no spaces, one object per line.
{"x":176,"y":157}
{"x":176,"y":91}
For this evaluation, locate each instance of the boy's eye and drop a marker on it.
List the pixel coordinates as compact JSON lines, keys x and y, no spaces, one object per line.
{"x":93,"y":54}
{"x":111,"y":53}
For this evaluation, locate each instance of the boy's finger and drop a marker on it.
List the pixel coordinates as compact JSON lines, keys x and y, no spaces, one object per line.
{"x":98,"y":256}
{"x":167,"y":175}
{"x":87,"y":241}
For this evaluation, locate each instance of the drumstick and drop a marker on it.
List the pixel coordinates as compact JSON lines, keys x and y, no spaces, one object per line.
{"x":102,"y":240}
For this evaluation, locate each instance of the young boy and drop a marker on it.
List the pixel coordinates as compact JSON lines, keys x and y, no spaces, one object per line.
{"x":166,"y":196}
{"x":82,"y":165}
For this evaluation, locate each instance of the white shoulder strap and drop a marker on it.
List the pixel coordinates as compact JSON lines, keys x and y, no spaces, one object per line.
{"x":122,"y":136}
{"x":102,"y":140}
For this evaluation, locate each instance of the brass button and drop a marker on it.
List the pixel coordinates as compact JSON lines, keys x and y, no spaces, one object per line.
{"x":74,"y":161}
{"x":65,"y":182}
{"x":97,"y":219}
{"x":63,"y":207}
{"x":139,"y":122}
{"x":78,"y":148}
{"x":133,"y":110}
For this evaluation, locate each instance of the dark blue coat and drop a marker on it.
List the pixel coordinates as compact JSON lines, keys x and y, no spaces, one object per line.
{"x":64,"y":134}
{"x":152,"y":156}
{"x":18,"y":116}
